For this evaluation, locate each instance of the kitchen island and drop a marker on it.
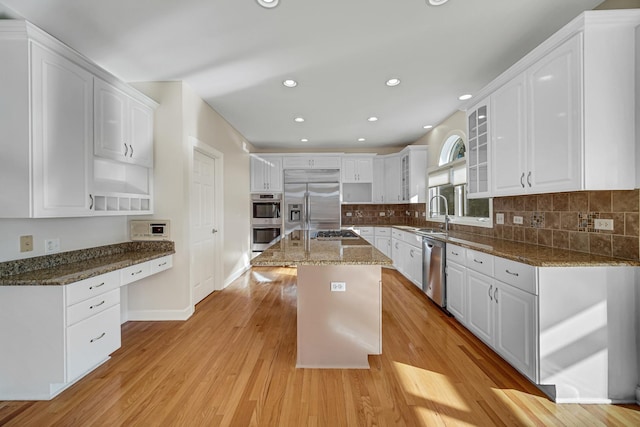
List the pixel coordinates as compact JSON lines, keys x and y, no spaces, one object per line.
{"x":339,"y":298}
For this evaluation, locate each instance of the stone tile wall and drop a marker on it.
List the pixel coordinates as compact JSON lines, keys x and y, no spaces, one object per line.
{"x":560,"y":220}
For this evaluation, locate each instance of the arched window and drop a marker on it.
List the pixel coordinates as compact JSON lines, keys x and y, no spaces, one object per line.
{"x":452,"y":150}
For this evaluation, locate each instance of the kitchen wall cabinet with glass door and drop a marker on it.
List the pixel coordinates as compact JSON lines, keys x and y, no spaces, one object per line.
{"x":47,"y":162}
{"x":478,"y":153}
{"x":563,"y":118}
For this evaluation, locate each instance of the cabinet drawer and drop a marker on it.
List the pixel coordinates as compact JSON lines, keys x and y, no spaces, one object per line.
{"x":398,"y":234}
{"x":93,"y":286}
{"x":161,"y":264}
{"x":413,"y":239}
{"x":91,"y":306}
{"x":517,"y":274}
{"x":135,"y":272}
{"x":366,"y":231}
{"x":480,"y":262}
{"x":456,"y":254}
{"x":91,"y":341}
{"x":382,"y":231}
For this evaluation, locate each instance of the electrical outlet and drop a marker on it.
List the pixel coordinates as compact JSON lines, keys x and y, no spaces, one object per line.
{"x":416,"y":214}
{"x":382,"y":214}
{"x":499,"y":218}
{"x":26,"y":243}
{"x":51,"y":245}
{"x":338,"y":286}
{"x":517,"y":219}
{"x":603,"y":224}
{"x":349,"y":214}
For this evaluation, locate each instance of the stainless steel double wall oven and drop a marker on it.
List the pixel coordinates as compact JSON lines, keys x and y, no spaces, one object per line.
{"x":266,"y":220}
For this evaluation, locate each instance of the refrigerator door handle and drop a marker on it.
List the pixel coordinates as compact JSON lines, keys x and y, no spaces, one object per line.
{"x":307,"y":208}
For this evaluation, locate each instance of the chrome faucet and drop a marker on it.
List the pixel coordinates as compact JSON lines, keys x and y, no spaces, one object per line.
{"x":446,"y":210}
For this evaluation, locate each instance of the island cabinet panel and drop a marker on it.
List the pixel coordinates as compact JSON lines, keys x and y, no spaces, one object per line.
{"x":323,"y":315}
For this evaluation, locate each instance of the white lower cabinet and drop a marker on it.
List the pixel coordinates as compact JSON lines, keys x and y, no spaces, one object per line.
{"x":406,"y":253}
{"x":382,"y":238}
{"x":456,"y":276}
{"x":92,"y":341}
{"x":500,"y":314}
{"x":53,"y":335}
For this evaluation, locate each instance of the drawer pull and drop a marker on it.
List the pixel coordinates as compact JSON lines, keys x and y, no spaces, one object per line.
{"x":137,"y":272}
{"x":455,"y":253}
{"x":479,"y":262}
{"x":98,"y":338}
{"x":96,"y":286}
{"x":96,"y":305}
{"x":164,"y":263}
{"x":513,"y":274}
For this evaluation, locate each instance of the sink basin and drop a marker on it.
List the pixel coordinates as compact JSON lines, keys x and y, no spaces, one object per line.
{"x":431,"y":231}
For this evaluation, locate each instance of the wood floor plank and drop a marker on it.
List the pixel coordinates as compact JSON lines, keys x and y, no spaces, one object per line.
{"x":233,"y":363}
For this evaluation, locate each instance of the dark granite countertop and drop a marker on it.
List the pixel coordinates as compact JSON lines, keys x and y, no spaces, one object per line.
{"x":298,"y":248}
{"x":535,"y":255}
{"x":69,"y":267}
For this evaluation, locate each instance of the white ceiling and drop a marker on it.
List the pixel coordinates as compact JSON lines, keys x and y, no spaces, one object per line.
{"x":235,"y":54}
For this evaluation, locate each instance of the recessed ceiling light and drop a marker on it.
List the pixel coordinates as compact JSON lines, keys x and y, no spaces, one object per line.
{"x":268,"y":3}
{"x":304,"y":140}
{"x":427,"y":126}
{"x":437,"y":2}
{"x":290,"y":83}
{"x":465,"y":97}
{"x":373,"y":119}
{"x":361,"y":140}
{"x":298,"y":120}
{"x":393,"y":82}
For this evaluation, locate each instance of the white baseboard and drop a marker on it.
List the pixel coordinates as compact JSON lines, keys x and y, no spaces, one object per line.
{"x":159,"y":315}
{"x":236,"y":274}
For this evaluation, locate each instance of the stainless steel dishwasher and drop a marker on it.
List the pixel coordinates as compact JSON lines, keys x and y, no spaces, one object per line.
{"x":433,"y":276}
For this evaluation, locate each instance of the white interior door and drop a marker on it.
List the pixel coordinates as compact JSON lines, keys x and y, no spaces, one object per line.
{"x":205,"y":235}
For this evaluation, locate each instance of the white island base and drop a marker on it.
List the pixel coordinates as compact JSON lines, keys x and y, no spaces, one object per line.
{"x":339,"y":329}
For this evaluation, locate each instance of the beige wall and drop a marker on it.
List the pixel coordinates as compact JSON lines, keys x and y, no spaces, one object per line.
{"x":455,"y":123}
{"x":182,"y":115}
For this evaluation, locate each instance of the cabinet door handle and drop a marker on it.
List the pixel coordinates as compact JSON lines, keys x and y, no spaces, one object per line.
{"x":513,"y":274}
{"x":91,"y":204}
{"x":126,"y":149}
{"x":522,"y":180}
{"x":529,"y":179}
{"x":479,"y":262}
{"x":411,"y":253}
{"x":97,"y":338}
{"x":131,"y":147}
{"x":96,"y":286}
{"x":137,"y":272}
{"x":455,"y":253}
{"x":495,"y":294}
{"x":490,"y":296}
{"x":96,"y":305}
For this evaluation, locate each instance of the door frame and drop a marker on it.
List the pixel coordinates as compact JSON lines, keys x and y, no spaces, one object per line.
{"x":196,"y":145}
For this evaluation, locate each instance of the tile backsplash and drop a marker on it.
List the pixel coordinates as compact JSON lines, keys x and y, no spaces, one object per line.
{"x":559,"y":220}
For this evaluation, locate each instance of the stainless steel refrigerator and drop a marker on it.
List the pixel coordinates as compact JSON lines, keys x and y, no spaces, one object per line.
{"x":311,"y":199}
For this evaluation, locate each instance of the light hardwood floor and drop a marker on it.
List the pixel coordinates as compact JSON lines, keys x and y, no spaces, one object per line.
{"x":233,"y":363}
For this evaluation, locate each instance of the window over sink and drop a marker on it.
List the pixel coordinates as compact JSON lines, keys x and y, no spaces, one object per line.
{"x":449,"y":179}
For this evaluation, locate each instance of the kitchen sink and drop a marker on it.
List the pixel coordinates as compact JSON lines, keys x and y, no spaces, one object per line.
{"x":431,"y":231}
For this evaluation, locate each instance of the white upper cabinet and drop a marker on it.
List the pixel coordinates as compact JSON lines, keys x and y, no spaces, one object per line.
{"x":478,"y":153}
{"x":554,"y":117}
{"x":357,"y":169}
{"x":377,"y":186}
{"x":509,"y":161}
{"x":311,"y":161}
{"x":46,"y":122}
{"x":392,"y":179}
{"x":123,"y":126}
{"x":266,"y":174}
{"x":563,"y":117}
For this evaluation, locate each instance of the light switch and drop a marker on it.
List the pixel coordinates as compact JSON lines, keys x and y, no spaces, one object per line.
{"x":26,"y":243}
